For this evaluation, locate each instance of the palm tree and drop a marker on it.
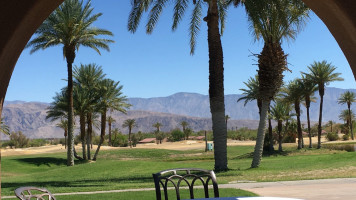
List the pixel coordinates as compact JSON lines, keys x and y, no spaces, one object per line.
{"x":110,"y":120}
{"x":215,"y":16}
{"x":157,"y":125}
{"x":63,"y":124}
{"x":348,"y":98}
{"x":184,"y":125}
{"x":252,"y":92}
{"x":293,"y":93}
{"x":273,"y":21}
{"x":227,"y":117}
{"x":129,"y":123}
{"x":70,"y":25}
{"x":347,"y":116}
{"x":87,"y":96}
{"x":309,"y":89}
{"x":330,"y":123}
{"x":3,"y":127}
{"x":113,"y":99}
{"x":321,"y":74}
{"x":280,"y":112}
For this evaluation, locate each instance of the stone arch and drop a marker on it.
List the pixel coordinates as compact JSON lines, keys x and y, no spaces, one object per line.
{"x":20,"y":19}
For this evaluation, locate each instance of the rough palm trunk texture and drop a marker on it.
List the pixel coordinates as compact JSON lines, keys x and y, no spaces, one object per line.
{"x":352,"y":134}
{"x":309,"y":130}
{"x":109,"y":123}
{"x":280,"y":126}
{"x":299,"y":126}
{"x":216,"y":87}
{"x":90,"y":130}
{"x":102,"y":133}
{"x":82,"y":134}
{"x":320,"y":118}
{"x":257,"y":154}
{"x":70,"y":151}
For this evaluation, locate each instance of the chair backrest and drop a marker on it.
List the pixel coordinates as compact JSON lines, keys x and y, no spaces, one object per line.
{"x":179,"y":175}
{"x":33,"y":193}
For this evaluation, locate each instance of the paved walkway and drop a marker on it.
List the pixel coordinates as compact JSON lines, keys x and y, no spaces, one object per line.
{"x":331,"y":189}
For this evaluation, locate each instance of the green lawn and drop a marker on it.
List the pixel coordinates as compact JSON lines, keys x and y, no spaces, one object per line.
{"x":132,"y":168}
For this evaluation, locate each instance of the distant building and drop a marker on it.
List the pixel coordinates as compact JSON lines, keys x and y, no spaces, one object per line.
{"x":148,"y":140}
{"x":200,"y":137}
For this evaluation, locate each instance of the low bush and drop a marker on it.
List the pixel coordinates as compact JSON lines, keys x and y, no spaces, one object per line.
{"x":332,"y":136}
{"x":176,"y":135}
{"x":37,"y":142}
{"x":19,"y":140}
{"x":346,"y":137}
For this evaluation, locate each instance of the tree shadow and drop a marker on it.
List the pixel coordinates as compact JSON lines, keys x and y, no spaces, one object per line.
{"x":48,"y":161}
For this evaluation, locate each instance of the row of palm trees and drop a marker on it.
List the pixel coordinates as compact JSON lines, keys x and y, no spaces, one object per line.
{"x":294,"y":93}
{"x":93,"y":96}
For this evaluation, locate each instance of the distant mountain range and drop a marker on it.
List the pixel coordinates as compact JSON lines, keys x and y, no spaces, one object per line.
{"x":30,"y":117}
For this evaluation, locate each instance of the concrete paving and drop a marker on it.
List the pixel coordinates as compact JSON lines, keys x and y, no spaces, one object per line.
{"x":331,"y":189}
{"x":321,"y":189}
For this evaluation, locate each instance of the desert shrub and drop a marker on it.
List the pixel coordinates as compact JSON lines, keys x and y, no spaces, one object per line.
{"x":96,"y":140}
{"x":77,"y":139}
{"x":242,"y":134}
{"x":332,"y":136}
{"x":62,"y":141}
{"x":134,"y":139}
{"x":10,"y":144}
{"x":176,"y":135}
{"x":119,"y":139}
{"x":19,"y":140}
{"x":159,"y":137}
{"x":187,"y":133}
{"x":346,"y":137}
{"x":37,"y":142}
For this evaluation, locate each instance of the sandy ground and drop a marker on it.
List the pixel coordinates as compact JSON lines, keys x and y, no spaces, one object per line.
{"x":182,"y":145}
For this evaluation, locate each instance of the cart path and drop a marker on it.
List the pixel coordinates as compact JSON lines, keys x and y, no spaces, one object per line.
{"x":321,"y":189}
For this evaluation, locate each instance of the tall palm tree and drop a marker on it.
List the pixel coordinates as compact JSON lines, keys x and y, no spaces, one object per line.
{"x":273,"y":21}
{"x":280,"y":112}
{"x":184,"y":125}
{"x":3,"y":127}
{"x":252,"y":92}
{"x":293,"y":93}
{"x":321,"y":74}
{"x":110,"y":120}
{"x":130,"y":124}
{"x":215,"y":15}
{"x":157,"y":125}
{"x":113,"y":99}
{"x":63,"y":124}
{"x":70,"y":25}
{"x":309,"y":89}
{"x":348,"y":97}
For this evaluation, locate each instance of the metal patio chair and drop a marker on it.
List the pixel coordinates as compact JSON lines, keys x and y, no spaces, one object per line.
{"x":33,"y":193}
{"x":177,"y":176}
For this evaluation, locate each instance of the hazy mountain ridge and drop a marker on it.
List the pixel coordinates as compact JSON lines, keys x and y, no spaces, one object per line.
{"x":30,"y":117}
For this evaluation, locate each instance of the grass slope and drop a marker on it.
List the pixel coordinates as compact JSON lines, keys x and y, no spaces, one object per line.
{"x":133,"y":168}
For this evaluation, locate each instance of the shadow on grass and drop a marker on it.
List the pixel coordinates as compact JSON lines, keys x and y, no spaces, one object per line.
{"x":76,"y":184}
{"x":48,"y":161}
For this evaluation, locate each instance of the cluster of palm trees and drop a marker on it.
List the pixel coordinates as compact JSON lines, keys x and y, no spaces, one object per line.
{"x":70,"y":26}
{"x":296,"y":92}
{"x":347,"y":98}
{"x":93,"y":96}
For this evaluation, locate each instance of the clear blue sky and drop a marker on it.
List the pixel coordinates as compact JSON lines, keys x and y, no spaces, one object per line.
{"x":160,"y":64}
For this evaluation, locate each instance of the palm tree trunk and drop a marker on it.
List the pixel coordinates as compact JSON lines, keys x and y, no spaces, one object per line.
{"x":102,"y":133}
{"x":320,"y":119}
{"x":216,"y":87}
{"x":257,"y":154}
{"x":65,"y":142}
{"x":82,"y":134}
{"x":270,"y":132}
{"x":90,"y":130}
{"x":280,"y":135}
{"x":309,"y":130}
{"x":299,"y":126}
{"x":130,"y":137}
{"x":109,"y":122}
{"x":70,"y":151}
{"x":352,"y":134}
